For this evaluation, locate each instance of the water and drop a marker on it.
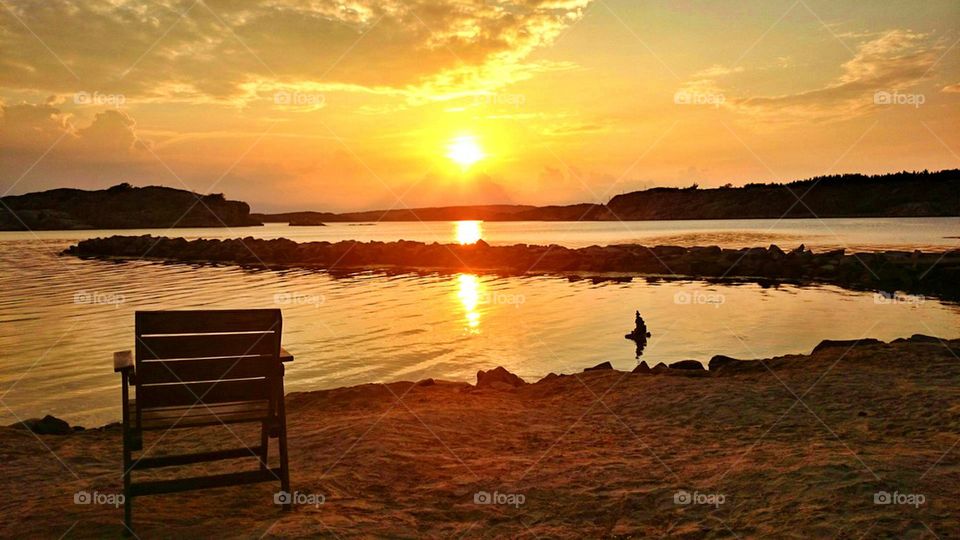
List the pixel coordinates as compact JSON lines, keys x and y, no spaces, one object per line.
{"x":875,"y":234}
{"x":61,"y":317}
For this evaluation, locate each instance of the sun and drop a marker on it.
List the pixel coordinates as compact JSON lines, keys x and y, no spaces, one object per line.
{"x":465,"y":151}
{"x":468,"y":232}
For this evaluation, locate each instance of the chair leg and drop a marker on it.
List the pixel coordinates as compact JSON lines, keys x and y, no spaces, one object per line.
{"x":127,"y":499}
{"x":127,"y":462}
{"x":284,"y":465}
{"x":264,"y":444}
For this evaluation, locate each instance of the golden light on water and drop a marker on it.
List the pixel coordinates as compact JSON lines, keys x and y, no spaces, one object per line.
{"x":465,"y":151}
{"x":468,"y":232}
{"x":468,"y":293}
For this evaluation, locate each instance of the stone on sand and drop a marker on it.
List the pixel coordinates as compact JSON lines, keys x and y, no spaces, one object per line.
{"x":687,"y":364}
{"x":845,"y":343}
{"x":498,"y":375}
{"x":599,"y":367}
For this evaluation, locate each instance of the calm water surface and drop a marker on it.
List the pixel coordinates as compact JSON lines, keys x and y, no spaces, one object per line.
{"x":61,"y":318}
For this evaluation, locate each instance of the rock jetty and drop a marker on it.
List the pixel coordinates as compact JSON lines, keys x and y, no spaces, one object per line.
{"x":932,"y":273}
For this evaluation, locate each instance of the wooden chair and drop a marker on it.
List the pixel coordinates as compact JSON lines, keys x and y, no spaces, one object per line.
{"x":203,"y":368}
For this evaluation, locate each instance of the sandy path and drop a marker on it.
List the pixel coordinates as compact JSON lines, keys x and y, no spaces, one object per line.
{"x":596,"y":454}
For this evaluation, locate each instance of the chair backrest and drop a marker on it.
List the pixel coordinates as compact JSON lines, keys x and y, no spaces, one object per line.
{"x":189,"y":358}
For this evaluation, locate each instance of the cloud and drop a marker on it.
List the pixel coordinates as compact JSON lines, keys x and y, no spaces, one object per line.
{"x":44,"y":146}
{"x":33,"y":127}
{"x":894,"y":61}
{"x":225,"y":51}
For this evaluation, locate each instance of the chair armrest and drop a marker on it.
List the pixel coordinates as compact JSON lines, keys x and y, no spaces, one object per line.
{"x":285,"y":356}
{"x":122,"y":361}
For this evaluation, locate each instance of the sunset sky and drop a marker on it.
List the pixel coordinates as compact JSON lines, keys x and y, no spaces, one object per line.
{"x":362,"y":104}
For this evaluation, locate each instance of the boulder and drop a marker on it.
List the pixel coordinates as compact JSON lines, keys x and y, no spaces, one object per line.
{"x":498,"y":375}
{"x":720,"y":361}
{"x":599,"y":367}
{"x":845,"y":343}
{"x":426,"y":382}
{"x":687,"y":364}
{"x":48,"y":425}
{"x":550,"y":376}
{"x":642,"y":367}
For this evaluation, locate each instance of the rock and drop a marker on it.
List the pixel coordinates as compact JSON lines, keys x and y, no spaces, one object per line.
{"x":498,"y":374}
{"x":48,"y":425}
{"x":845,"y":343}
{"x":797,"y":251}
{"x":481,"y":244}
{"x":921,"y":338}
{"x":426,"y":382}
{"x":598,"y":367}
{"x":862,"y":413}
{"x":775,"y":250}
{"x":660,"y":368}
{"x":550,"y":376}
{"x":686,"y":364}
{"x":642,"y":367}
{"x":720,"y":361}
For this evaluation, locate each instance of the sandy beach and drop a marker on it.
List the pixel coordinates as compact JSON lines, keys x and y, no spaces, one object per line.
{"x":795,"y":446}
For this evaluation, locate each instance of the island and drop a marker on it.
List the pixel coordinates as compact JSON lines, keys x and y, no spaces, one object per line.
{"x":121,"y":207}
{"x":902,"y":194}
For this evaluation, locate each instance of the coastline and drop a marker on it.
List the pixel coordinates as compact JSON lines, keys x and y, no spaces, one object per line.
{"x":798,"y":444}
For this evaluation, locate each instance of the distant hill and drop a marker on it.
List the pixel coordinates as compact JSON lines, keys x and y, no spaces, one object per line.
{"x":903,"y":194}
{"x":121,"y":207}
{"x":490,"y":212}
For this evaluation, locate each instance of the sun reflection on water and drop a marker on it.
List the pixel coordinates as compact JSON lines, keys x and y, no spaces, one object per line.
{"x":469,"y":293}
{"x":468,"y":232}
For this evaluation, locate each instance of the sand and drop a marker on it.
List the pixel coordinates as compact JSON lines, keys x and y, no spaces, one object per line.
{"x":598,"y":454}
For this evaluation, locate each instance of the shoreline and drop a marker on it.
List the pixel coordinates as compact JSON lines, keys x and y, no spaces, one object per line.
{"x":598,"y":453}
{"x":930,"y":273}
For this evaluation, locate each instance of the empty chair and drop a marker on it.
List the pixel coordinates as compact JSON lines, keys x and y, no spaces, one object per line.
{"x":203,"y":368}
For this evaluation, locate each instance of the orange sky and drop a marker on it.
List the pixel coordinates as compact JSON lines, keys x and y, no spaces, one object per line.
{"x":356,"y":104}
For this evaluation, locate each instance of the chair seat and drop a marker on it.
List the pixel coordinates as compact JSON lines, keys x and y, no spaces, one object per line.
{"x":201,"y":415}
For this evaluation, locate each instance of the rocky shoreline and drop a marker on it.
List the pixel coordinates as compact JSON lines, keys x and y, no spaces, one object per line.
{"x":499,"y":378}
{"x":931,"y":273}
